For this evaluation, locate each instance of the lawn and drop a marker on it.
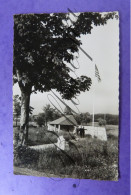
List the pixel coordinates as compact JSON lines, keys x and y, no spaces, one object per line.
{"x":112,"y":130}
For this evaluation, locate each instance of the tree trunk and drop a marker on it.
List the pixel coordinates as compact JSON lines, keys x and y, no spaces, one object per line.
{"x":25,"y":101}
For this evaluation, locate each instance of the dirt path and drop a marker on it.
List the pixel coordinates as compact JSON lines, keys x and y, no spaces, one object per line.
{"x":30,"y":172}
{"x":26,"y":171}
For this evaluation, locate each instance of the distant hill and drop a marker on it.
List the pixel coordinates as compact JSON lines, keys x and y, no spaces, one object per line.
{"x":111,"y":119}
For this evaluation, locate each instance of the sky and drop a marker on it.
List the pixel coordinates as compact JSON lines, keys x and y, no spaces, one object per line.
{"x":103,"y":46}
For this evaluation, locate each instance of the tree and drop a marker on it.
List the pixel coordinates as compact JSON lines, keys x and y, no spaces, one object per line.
{"x":83,"y":118}
{"x":43,"y":46}
{"x":40,"y":120}
{"x":111,"y":119}
{"x":86,"y":118}
{"x":50,"y":114}
{"x":102,"y":122}
{"x":16,"y":108}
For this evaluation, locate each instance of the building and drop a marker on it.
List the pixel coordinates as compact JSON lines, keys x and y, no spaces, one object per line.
{"x":65,"y":123}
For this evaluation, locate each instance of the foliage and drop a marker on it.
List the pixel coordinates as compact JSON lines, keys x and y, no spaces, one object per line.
{"x":102,"y":122}
{"x":110,"y":118}
{"x":50,"y":114}
{"x":113,"y":120}
{"x":31,"y":110}
{"x":40,"y":120}
{"x":25,"y":155}
{"x":43,"y":48}
{"x":83,"y":118}
{"x":42,"y":44}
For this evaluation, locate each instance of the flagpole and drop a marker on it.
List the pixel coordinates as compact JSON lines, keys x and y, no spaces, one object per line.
{"x":93,"y":114}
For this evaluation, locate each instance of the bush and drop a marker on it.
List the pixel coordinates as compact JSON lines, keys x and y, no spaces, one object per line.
{"x":40,"y":120}
{"x":25,"y":155}
{"x":102,"y":122}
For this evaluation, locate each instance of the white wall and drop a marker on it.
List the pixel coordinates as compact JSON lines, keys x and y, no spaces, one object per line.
{"x":99,"y":132}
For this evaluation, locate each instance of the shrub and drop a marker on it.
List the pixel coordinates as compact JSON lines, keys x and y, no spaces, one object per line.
{"x":40,"y":120}
{"x":25,"y":155}
{"x":102,"y":122}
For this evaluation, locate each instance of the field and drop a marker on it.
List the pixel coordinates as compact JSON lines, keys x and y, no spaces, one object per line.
{"x":84,"y":158}
{"x":112,"y":130}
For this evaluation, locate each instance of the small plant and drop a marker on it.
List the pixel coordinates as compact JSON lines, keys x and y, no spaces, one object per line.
{"x":101,"y":122}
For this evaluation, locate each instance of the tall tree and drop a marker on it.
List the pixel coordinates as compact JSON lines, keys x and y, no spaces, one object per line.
{"x":43,"y":45}
{"x":40,"y":120}
{"x":83,"y":118}
{"x":50,"y":113}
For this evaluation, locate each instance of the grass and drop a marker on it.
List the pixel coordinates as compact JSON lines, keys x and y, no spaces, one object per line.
{"x":86,"y":158}
{"x":90,"y":159}
{"x":112,"y":130}
{"x":39,"y":136}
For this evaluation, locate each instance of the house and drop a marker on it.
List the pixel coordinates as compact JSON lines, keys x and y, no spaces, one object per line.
{"x":66,"y":123}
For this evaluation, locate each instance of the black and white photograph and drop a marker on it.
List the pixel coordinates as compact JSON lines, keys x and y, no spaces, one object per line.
{"x":66,"y":95}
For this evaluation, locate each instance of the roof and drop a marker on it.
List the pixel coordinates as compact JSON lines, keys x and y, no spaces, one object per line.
{"x":64,"y":120}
